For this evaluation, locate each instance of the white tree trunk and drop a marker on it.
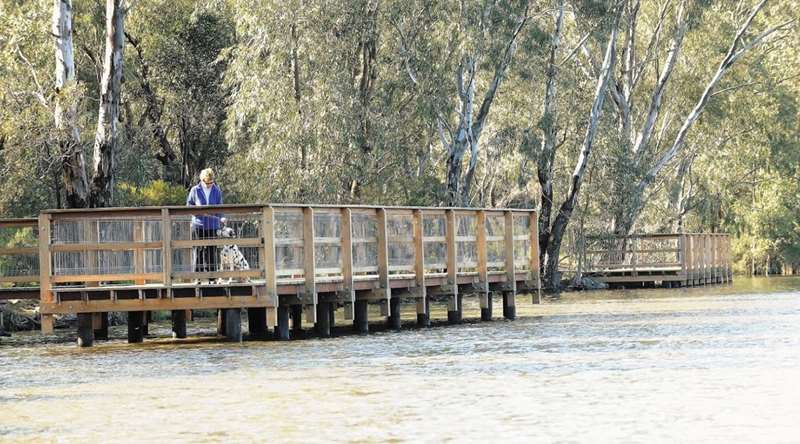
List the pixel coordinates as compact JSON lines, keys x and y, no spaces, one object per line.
{"x":549,"y":129}
{"x":565,"y":211}
{"x":736,"y":50}
{"x":107,"y":135}
{"x":467,"y":133}
{"x":76,"y":185}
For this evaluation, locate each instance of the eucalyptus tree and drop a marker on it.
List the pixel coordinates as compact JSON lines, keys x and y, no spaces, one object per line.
{"x":552,"y":243}
{"x":460,"y":126}
{"x":65,"y":113}
{"x":646,"y":151}
{"x":106,"y":141}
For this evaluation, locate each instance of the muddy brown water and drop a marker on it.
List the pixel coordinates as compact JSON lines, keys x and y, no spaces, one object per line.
{"x":706,"y":364}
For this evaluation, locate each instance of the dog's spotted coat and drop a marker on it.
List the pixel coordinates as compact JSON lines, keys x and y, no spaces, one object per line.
{"x":231,"y":258}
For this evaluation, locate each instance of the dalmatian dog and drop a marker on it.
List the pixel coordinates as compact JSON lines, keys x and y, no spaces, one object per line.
{"x":231,"y":258}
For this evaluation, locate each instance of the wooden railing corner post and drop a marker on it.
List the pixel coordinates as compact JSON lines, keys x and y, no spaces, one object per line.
{"x":268,"y":262}
{"x":45,"y":263}
{"x":452,"y":258}
{"x":166,"y":250}
{"x":534,"y":273}
{"x":346,"y":248}
{"x":419,"y":266}
{"x":309,"y":262}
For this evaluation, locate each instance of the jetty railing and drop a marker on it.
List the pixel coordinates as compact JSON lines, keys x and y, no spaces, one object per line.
{"x":145,"y":259}
{"x":672,"y":258}
{"x":19,"y":258}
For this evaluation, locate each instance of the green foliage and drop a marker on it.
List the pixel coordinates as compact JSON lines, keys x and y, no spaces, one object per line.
{"x":156,"y":193}
{"x":358,"y":86}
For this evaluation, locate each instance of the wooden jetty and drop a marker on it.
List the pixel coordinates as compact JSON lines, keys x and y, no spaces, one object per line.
{"x":674,"y":259}
{"x":305,"y":261}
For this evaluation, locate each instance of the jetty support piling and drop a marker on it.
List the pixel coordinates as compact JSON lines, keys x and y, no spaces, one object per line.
{"x":85,"y":330}
{"x":135,"y":330}
{"x":178,"y":318}
{"x":282,"y":330}
{"x":257,"y":322}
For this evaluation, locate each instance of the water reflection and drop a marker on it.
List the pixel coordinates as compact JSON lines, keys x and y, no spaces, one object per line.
{"x":705,"y":364}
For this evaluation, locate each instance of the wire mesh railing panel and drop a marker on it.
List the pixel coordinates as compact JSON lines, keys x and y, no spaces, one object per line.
{"x":113,"y":262}
{"x":658,"y":252}
{"x":466,"y":242}
{"x":365,"y":243}
{"x":181,"y":228}
{"x":434,"y":230}
{"x":400,"y":243}
{"x":70,"y":263}
{"x":611,"y":253}
{"x":19,"y":237}
{"x":522,"y":241}
{"x":151,"y":230}
{"x":18,"y":253}
{"x":71,"y":231}
{"x":153,"y":261}
{"x":495,"y":242}
{"x":328,"y":243}
{"x":19,"y":265}
{"x":115,"y":230}
{"x":289,"y":254}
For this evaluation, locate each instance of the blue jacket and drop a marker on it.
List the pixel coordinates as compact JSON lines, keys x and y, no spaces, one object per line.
{"x":198,"y":197}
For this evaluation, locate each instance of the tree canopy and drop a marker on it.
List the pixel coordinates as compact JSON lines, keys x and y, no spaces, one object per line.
{"x":435,"y":102}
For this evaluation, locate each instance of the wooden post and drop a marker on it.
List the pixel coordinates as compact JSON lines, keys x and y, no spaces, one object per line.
{"x":423,"y":315}
{"x":383,"y":257}
{"x":268,"y":263}
{"x":392,"y":301}
{"x":309,"y":265}
{"x":509,"y":294}
{"x":323,"y":324}
{"x":45,"y":295}
{"x":534,"y":266}
{"x":729,"y":258}
{"x":453,"y":312}
{"x":233,"y":324}
{"x":395,"y":322}
{"x":483,"y":268}
{"x":257,"y":322}
{"x":695,"y":259}
{"x":135,"y":321}
{"x":346,"y":248}
{"x":85,"y":330}
{"x":360,"y":320}
{"x":178,"y":323}
{"x":684,"y":264}
{"x":718,"y":260}
{"x":296,"y":312}
{"x":166,"y":250}
{"x":282,"y":330}
{"x":100,"y":326}
{"x":634,"y":245}
{"x":706,"y":258}
{"x":138,"y":252}
{"x":147,"y":319}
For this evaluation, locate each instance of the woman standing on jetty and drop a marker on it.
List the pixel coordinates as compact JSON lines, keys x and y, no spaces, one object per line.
{"x":205,"y":226}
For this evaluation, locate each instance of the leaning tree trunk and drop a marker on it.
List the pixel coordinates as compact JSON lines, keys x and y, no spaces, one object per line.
{"x":548,"y":124}
{"x":76,"y":186}
{"x":466,"y":135}
{"x":551,"y":277}
{"x":737,"y":48}
{"x":166,"y":155}
{"x":107,"y":135}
